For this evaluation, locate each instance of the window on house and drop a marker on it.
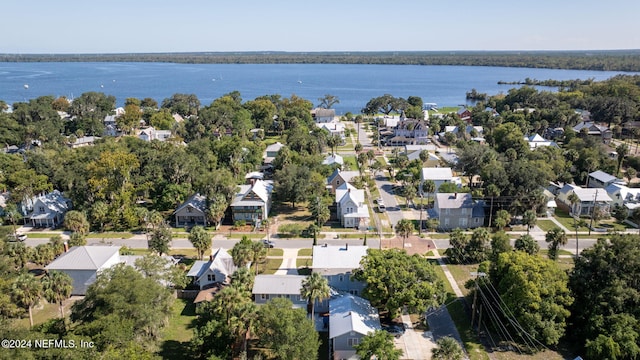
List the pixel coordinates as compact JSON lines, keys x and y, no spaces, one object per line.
{"x":211,"y":277}
{"x":353,"y":292}
{"x":353,"y":341}
{"x":341,"y":278}
{"x":41,"y":209}
{"x":264,"y":296}
{"x":189,"y":209}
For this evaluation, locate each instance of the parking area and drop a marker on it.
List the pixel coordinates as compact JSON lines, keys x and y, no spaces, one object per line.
{"x":415,"y":345}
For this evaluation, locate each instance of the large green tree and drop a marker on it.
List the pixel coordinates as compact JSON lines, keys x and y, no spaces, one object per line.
{"x":390,"y":285}
{"x":121,"y":306}
{"x":604,"y":282}
{"x":287,"y":332}
{"x":535,"y":290}
{"x":556,"y":237}
{"x":378,"y":345}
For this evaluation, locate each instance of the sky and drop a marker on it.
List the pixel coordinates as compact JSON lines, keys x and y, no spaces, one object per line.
{"x":130,"y":26}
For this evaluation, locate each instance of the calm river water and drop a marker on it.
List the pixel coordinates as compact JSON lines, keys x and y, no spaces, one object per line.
{"x":354,"y":85}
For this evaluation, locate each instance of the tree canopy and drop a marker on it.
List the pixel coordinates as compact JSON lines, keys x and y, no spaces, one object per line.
{"x":395,"y":279}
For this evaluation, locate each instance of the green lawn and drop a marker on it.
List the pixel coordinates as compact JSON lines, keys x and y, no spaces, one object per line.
{"x":305,"y":252}
{"x":303,"y":262}
{"x":546,"y":225}
{"x":42,"y":235}
{"x":462,"y":273}
{"x":250,"y":236}
{"x":275,"y":252}
{"x":179,"y":331}
{"x":463,"y":324}
{"x":270,"y":266}
{"x":110,"y":235}
{"x":568,"y":221}
{"x":41,"y":313}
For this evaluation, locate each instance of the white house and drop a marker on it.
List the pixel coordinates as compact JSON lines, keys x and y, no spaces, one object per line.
{"x":338,"y":178}
{"x":333,"y":159}
{"x":150,"y":133}
{"x":321,"y":115}
{"x":334,"y":128}
{"x":352,"y":210}
{"x":589,"y":199}
{"x":83,"y":263}
{"x":536,"y":141}
{"x":271,"y":152}
{"x":439,"y":176}
{"x":626,"y":197}
{"x":49,"y":210}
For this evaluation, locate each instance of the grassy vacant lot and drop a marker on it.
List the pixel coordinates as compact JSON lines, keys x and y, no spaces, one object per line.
{"x":270,"y":266}
{"x":179,"y":331}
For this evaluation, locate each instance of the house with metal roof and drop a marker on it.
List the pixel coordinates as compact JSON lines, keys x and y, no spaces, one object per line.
{"x":593,"y":129}
{"x":83,"y":263}
{"x":271,"y":152}
{"x":623,"y":196}
{"x":333,"y":159}
{"x":536,"y":141}
{"x":192,"y":212}
{"x":457,"y":210}
{"x":267,"y":287}
{"x":49,"y":210}
{"x":600,"y":179}
{"x":589,"y":200}
{"x":439,"y":176}
{"x":217,"y":269}
{"x":336,"y":264}
{"x":350,"y":319}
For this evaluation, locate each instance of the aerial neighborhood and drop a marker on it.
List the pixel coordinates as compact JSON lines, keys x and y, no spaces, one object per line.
{"x":275,"y":228}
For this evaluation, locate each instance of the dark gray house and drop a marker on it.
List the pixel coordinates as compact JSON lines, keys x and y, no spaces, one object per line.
{"x":458,"y":210}
{"x":192,"y":212}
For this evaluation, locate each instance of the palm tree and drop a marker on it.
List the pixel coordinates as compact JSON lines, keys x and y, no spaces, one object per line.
{"x":258,"y":253}
{"x":429,"y":187}
{"x":57,"y":288}
{"x":622,"y":151}
{"x":315,"y":288}
{"x":266,"y":223}
{"x":555,"y":237}
{"x":27,"y":291}
{"x":448,"y":349}
{"x":200,"y":240}
{"x":529,"y":219}
{"x":492,"y":191}
{"x":404,"y":228}
{"x":573,"y":199}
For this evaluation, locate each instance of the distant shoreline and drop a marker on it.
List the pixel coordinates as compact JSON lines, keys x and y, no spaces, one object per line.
{"x":597,"y":60}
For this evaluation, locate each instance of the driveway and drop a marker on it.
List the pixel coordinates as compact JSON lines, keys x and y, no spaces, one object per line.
{"x":414,"y":344}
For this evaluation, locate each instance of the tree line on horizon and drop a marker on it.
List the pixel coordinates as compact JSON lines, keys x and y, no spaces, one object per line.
{"x":618,"y":60}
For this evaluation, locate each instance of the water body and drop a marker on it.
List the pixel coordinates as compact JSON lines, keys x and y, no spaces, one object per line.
{"x":354,"y":85}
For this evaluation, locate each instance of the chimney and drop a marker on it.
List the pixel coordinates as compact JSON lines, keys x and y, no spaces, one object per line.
{"x":346,"y":246}
{"x":210,"y":258}
{"x":455,"y":195}
{"x":66,"y":246}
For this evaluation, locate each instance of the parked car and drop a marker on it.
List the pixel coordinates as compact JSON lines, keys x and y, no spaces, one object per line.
{"x":17,"y":237}
{"x":395,"y":329}
{"x":268,"y":243}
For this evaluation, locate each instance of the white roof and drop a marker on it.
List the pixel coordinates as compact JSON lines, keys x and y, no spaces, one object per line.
{"x":349,"y":313}
{"x":262,"y":189}
{"x":602,"y":176}
{"x":84,"y":258}
{"x":274,"y":147}
{"x":437,"y":174}
{"x":277,"y":284}
{"x":338,"y":257}
{"x":590,"y":194}
{"x":357,"y":196}
{"x":333,"y":159}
